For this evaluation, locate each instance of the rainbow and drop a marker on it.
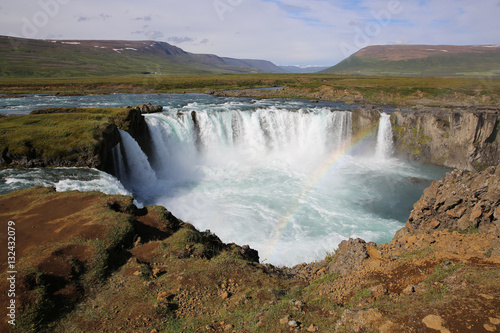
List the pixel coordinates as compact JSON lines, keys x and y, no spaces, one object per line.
{"x":317,"y":177}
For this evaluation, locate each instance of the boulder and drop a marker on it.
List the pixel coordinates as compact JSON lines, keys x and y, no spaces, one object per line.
{"x":147,"y":108}
{"x":349,"y":256}
{"x":366,"y":320}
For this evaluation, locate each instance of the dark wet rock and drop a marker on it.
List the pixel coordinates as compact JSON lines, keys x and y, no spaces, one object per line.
{"x":147,"y":108}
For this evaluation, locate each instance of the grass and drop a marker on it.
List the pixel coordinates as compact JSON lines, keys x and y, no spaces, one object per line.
{"x":442,"y":271}
{"x":368,"y":89}
{"x":74,"y":135}
{"x":418,"y":254}
{"x":456,"y":65}
{"x":327,"y":278}
{"x":358,"y":297}
{"x":190,"y":243}
{"x":39,"y":58}
{"x":487,"y":278}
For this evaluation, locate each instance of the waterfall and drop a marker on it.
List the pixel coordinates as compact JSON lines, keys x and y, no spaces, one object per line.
{"x":185,"y":144}
{"x":267,"y":130}
{"x":278,"y":175}
{"x":139,"y":173}
{"x":384,"y":147}
{"x":274,"y":178}
{"x":174,"y":146}
{"x":183,"y":141}
{"x":118,"y":164}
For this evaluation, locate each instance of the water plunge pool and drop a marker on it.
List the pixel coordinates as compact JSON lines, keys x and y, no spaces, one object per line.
{"x":287,"y":178}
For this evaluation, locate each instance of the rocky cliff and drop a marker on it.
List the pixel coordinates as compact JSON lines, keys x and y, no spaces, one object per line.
{"x":462,"y":201}
{"x":464,"y":138}
{"x":71,"y":137}
{"x":365,"y":119}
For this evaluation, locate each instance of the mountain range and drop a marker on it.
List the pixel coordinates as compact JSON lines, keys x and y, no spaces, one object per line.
{"x":21,"y":57}
{"x":423,"y":60}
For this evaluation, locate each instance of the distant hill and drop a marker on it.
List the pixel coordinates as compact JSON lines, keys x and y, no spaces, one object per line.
{"x":21,"y":57}
{"x":423,"y":60}
{"x":303,"y":69}
{"x":262,"y":65}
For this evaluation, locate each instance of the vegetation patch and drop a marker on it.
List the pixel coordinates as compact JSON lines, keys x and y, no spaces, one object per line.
{"x":386,"y":90}
{"x":59,"y":137}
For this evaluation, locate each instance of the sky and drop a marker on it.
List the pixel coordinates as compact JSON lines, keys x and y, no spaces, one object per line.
{"x":286,"y":32}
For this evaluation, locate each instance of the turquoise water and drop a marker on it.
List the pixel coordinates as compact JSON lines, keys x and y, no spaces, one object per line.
{"x":276,"y":175}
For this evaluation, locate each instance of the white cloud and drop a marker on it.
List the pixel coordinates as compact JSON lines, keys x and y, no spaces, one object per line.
{"x":283,"y":31}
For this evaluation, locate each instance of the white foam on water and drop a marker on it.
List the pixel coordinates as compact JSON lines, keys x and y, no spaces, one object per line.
{"x":246,"y":176}
{"x":105,"y":183}
{"x":254,"y":172}
{"x":62,"y":179}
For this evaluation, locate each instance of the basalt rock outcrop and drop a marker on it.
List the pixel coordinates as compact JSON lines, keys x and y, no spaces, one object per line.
{"x":349,"y":256}
{"x":135,"y":124}
{"x":462,"y":201}
{"x":463,"y":138}
{"x":365,"y":120}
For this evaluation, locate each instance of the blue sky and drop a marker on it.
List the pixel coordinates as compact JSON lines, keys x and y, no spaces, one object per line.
{"x":287,"y":32}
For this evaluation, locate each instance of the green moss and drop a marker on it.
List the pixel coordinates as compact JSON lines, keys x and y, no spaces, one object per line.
{"x":328,"y":278}
{"x":479,"y":166}
{"x":57,"y":135}
{"x":410,"y":139}
{"x":188,"y":242}
{"x":358,"y":296}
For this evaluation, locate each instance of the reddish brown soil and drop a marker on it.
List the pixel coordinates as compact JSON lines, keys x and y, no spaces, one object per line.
{"x":44,"y":224}
{"x":441,"y":274}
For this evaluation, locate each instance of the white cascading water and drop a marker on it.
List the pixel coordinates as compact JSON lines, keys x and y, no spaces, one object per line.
{"x":139,"y":174}
{"x":278,"y":175}
{"x":384,"y":147}
{"x":181,"y":141}
{"x":119,"y":165}
{"x":281,"y":181}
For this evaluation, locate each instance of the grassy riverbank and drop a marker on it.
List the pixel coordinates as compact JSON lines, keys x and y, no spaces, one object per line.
{"x":357,"y":89}
{"x":60,"y":137}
